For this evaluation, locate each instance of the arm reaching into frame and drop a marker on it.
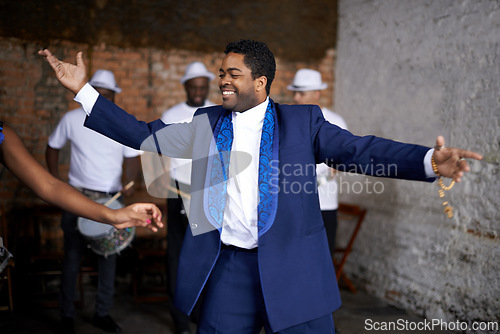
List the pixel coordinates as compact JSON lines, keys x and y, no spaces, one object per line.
{"x":15,"y":156}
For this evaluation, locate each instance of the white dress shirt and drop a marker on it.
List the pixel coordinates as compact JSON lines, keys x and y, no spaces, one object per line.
{"x":240,"y":215}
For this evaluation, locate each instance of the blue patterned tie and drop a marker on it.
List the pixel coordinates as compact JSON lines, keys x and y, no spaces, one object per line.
{"x":265,"y":170}
{"x":219,"y":173}
{"x":218,"y":168}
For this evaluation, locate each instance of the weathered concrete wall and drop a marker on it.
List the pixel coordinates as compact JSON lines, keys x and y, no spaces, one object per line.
{"x":412,"y":70}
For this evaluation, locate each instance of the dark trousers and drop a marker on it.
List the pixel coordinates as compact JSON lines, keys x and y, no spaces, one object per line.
{"x":233,"y":301}
{"x":74,"y":249}
{"x":177,"y":223}
{"x":330,"y":221}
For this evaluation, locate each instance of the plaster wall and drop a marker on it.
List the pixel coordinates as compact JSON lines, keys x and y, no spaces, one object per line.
{"x":410,"y":71}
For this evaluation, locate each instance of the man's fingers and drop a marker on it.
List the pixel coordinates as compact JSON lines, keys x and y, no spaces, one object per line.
{"x":470,"y":155}
{"x":439,"y":142}
{"x":79,"y":59}
{"x":50,"y":57}
{"x":53,"y":61}
{"x":45,"y":53}
{"x":463,"y":165}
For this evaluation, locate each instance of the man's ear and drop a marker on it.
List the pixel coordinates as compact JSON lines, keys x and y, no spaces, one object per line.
{"x":317,"y":94}
{"x":260,"y":83}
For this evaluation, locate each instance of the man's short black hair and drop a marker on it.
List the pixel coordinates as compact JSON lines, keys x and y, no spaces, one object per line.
{"x":257,"y":57}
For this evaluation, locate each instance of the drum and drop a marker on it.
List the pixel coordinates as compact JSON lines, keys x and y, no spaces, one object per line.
{"x":105,"y":239}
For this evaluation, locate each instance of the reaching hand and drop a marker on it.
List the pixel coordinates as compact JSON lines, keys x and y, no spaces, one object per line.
{"x":73,"y":77}
{"x":451,"y":162}
{"x":138,"y":214}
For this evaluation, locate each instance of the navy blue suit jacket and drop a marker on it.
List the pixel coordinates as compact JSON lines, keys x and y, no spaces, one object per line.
{"x":297,"y":275}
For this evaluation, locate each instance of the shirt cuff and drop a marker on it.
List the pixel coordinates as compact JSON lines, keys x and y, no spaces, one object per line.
{"x":429,"y":172}
{"x":87,"y":97}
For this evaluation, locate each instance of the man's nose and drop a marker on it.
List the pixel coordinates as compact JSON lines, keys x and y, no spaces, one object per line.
{"x":225,"y":80}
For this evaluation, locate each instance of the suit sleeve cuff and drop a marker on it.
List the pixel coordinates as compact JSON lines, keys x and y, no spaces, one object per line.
{"x":87,"y":97}
{"x":429,"y":173}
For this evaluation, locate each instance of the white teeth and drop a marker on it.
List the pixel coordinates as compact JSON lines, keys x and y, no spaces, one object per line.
{"x":227,"y":93}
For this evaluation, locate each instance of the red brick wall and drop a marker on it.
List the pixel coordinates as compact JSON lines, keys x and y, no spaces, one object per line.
{"x":32,"y":101}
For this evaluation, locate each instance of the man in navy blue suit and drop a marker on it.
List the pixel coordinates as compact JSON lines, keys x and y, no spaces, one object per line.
{"x":257,"y":251}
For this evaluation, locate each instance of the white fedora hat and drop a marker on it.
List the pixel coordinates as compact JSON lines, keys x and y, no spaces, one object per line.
{"x":105,"y":79}
{"x":306,"y":79}
{"x":194,"y":70}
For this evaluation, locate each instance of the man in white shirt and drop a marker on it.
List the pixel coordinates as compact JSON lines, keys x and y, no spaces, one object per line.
{"x":196,"y":81}
{"x":96,"y":166}
{"x":306,"y":87}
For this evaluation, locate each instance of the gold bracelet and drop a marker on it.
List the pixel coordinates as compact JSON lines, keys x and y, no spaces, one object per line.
{"x":434,"y":166}
{"x":447,"y":208}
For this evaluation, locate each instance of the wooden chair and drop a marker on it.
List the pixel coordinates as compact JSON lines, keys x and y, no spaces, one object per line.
{"x":347,"y":213}
{"x":7,"y":262}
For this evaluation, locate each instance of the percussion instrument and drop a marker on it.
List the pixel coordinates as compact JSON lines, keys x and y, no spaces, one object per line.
{"x":105,"y":239}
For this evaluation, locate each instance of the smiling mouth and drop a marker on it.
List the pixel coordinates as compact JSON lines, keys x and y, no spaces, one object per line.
{"x":228,"y":93}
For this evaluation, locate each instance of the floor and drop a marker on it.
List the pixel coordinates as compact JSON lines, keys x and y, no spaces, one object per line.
{"x":358,"y":310}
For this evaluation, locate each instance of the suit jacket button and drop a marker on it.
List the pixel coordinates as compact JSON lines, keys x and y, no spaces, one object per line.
{"x":194,"y":226}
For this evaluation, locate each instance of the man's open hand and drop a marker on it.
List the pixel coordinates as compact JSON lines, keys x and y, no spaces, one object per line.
{"x":73,"y":77}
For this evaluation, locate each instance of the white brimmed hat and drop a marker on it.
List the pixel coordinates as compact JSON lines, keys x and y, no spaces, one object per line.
{"x":196,"y":69}
{"x":105,"y":79}
{"x":306,"y":79}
